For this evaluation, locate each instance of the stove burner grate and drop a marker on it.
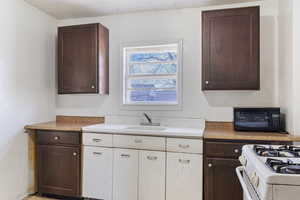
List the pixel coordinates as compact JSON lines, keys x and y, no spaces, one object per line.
{"x":282,"y":151}
{"x":282,"y":167}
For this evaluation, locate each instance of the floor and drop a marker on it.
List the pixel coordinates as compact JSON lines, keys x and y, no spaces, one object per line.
{"x":44,"y":198}
{"x":37,"y":198}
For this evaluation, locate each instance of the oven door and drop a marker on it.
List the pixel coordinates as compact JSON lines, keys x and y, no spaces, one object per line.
{"x":249,"y":191}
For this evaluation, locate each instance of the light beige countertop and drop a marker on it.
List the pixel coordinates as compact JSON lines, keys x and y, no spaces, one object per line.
{"x":66,"y":123}
{"x":225,"y":131}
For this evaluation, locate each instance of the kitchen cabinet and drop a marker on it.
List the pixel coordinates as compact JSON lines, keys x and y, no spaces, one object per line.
{"x":221,"y":181}
{"x":58,"y":163}
{"x":220,"y":162}
{"x":83,"y":59}
{"x":184,"y":176}
{"x":231,"y":49}
{"x":97,"y":170}
{"x":141,"y":167}
{"x":125,"y":173}
{"x":152,"y":174}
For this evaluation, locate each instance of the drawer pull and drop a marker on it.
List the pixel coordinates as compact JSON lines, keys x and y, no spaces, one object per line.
{"x":210,"y":165}
{"x":236,"y":151}
{"x":97,"y":140}
{"x":152,"y":157}
{"x":184,"y":146}
{"x":56,"y":138}
{"x":138,"y":141}
{"x":74,"y":154}
{"x":184,"y":161}
{"x":97,"y":153}
{"x":125,"y":155}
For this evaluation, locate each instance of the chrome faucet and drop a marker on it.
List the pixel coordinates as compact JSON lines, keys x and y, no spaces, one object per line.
{"x":149,"y":123}
{"x":148,"y":118}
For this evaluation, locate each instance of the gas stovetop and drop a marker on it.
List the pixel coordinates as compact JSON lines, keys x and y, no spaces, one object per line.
{"x":277,"y":151}
{"x":274,"y":159}
{"x":282,"y":167}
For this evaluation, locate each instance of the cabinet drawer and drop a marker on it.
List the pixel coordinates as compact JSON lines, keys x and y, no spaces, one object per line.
{"x":184,"y":145}
{"x":54,"y":137}
{"x":139,"y":142}
{"x":223,"y":149}
{"x":101,"y":140}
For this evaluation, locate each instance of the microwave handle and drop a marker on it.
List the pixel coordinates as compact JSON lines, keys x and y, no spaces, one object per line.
{"x":239,"y":171}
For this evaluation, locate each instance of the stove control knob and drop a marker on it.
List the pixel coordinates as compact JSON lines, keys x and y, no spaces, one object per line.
{"x":243,"y":160}
{"x":254,"y":179}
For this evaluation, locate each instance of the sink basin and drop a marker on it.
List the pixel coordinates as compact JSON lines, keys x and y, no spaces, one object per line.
{"x":146,"y":128}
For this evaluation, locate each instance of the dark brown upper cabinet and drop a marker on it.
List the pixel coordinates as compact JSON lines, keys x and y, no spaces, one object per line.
{"x":231,"y":49}
{"x":83,"y":59}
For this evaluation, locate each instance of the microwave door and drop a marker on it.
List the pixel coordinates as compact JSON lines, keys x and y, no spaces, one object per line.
{"x":253,"y":120}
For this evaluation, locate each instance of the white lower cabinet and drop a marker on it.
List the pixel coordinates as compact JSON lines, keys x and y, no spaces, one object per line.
{"x":117,"y":173}
{"x":152,"y":175}
{"x":184,"y":176}
{"x":97,"y":173}
{"x":125,"y":184}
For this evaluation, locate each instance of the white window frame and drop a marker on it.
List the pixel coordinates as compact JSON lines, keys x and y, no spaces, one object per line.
{"x":151,"y":105}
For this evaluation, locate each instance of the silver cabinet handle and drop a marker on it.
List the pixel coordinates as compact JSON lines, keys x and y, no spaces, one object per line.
{"x":138,"y":141}
{"x":206,"y":82}
{"x":97,"y":153}
{"x":184,"y":161}
{"x":93,"y":86}
{"x":125,"y":155}
{"x":74,"y":154}
{"x":236,"y":151}
{"x":152,"y":157}
{"x":184,"y":146}
{"x":56,"y":138}
{"x":97,"y":140}
{"x":209,"y":165}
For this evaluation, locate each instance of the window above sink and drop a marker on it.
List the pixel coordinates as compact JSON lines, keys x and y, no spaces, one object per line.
{"x":152,"y":74}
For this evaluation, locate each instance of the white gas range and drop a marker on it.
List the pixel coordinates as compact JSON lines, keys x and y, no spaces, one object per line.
{"x":270,"y":172}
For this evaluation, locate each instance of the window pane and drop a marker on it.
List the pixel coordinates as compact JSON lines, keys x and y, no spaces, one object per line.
{"x":152,"y":83}
{"x":144,"y":69}
{"x":153,"y":57}
{"x":153,"y":96}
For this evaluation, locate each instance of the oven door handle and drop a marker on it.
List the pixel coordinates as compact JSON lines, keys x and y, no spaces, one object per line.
{"x":239,"y":171}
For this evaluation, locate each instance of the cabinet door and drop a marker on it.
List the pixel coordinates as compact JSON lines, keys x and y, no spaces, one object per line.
{"x":221,"y":182}
{"x":184,"y":176}
{"x":78,"y":59}
{"x":59,"y":170}
{"x":230,"y":51}
{"x":152,"y":175}
{"x":97,"y":173}
{"x":125,"y":184}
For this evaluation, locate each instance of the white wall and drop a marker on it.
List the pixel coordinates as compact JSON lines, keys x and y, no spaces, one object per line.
{"x":176,"y":24}
{"x":289,"y":62}
{"x":285,"y":61}
{"x":296,"y":64}
{"x":27,"y":46}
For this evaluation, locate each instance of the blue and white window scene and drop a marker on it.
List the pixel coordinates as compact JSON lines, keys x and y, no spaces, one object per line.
{"x":151,"y":74}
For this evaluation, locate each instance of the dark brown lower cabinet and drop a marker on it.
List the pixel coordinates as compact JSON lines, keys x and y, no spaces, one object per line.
{"x":58,"y":167}
{"x":221,"y":182}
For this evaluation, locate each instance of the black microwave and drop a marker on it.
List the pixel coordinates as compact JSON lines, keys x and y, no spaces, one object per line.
{"x":258,"y":119}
